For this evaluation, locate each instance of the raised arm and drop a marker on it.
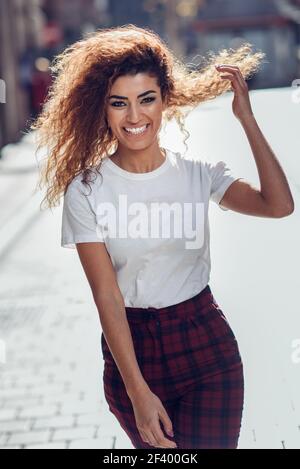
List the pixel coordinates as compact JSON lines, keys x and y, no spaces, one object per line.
{"x":108,"y":298}
{"x":274,"y":198}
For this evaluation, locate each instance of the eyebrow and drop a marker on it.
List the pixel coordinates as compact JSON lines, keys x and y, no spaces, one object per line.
{"x":139,"y":96}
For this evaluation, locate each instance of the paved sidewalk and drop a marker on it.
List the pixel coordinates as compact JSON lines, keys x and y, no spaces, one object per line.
{"x":51,"y":393}
{"x":18,"y":178}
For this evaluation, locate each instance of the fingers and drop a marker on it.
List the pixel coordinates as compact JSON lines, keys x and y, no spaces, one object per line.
{"x":148,"y":437}
{"x":166,"y":421}
{"x":161,"y":441}
{"x":155,"y":437}
{"x":234,"y":75}
{"x":149,"y":426}
{"x":152,"y":440}
{"x":157,"y":440}
{"x":231,"y":78}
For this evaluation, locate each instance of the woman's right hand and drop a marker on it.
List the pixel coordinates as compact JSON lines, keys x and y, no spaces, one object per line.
{"x":148,"y":411}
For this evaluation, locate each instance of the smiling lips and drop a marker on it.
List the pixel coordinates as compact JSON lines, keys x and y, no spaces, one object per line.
{"x":136,"y":130}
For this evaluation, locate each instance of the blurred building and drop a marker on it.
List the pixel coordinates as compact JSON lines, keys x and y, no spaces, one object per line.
{"x":20,"y":28}
{"x":77,"y":17}
{"x":32,"y":32}
{"x":134,"y":11}
{"x":158,"y":15}
{"x":271,"y":26}
{"x":195,"y":27}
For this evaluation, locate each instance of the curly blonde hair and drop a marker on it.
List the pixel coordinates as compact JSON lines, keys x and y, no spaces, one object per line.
{"x":72,"y":124}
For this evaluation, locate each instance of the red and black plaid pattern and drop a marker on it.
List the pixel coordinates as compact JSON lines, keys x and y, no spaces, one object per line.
{"x":189,"y":357}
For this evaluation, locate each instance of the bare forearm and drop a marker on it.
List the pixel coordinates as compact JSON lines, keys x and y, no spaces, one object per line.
{"x":274,"y":185}
{"x":119,"y":340}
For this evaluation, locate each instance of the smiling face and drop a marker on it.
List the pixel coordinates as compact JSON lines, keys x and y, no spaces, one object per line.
{"x":134,"y":110}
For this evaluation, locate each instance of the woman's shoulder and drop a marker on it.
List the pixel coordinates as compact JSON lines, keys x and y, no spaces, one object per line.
{"x":191,"y":163}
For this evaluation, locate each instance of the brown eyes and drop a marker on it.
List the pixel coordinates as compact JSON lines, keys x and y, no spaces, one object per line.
{"x":114,"y":104}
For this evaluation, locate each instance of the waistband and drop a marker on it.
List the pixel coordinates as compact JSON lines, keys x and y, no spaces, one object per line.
{"x":202,"y":299}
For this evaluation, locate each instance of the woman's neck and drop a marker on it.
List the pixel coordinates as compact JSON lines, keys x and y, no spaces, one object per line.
{"x":139,"y":164}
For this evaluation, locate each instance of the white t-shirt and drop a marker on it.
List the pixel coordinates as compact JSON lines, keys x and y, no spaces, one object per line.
{"x":160,"y":258}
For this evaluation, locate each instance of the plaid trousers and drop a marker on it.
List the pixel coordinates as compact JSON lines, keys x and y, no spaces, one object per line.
{"x":189,"y":357}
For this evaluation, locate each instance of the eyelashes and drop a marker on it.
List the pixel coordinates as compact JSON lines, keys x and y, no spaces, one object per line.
{"x":122,"y":102}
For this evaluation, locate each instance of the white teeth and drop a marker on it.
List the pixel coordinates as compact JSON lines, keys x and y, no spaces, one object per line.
{"x":138,"y":130}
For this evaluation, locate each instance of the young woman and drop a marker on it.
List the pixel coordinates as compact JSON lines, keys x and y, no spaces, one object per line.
{"x":173,"y":374}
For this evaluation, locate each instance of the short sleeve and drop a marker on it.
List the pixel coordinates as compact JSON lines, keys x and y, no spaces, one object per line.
{"x":79,"y":222}
{"x":221,"y":178}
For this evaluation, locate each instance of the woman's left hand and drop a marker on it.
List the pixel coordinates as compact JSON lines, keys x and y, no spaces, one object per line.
{"x":241,"y":105}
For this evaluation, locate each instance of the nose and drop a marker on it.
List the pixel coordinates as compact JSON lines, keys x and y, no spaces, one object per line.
{"x":133,"y":115}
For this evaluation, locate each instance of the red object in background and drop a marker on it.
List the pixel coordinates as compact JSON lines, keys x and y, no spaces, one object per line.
{"x":52,"y":34}
{"x":40,"y":84}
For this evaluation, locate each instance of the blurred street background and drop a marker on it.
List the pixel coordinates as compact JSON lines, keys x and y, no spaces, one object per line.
{"x":51,"y":392}
{"x":33,"y":31}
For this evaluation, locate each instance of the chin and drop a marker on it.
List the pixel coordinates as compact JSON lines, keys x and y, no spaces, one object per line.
{"x":141,"y":145}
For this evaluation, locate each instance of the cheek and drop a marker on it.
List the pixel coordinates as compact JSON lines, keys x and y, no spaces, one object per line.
{"x":157,"y":119}
{"x":155,"y":114}
{"x":114,"y":119}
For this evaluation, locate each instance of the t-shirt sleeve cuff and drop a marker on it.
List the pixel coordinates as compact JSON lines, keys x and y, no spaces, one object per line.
{"x":217,"y":196}
{"x":71,"y":242}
